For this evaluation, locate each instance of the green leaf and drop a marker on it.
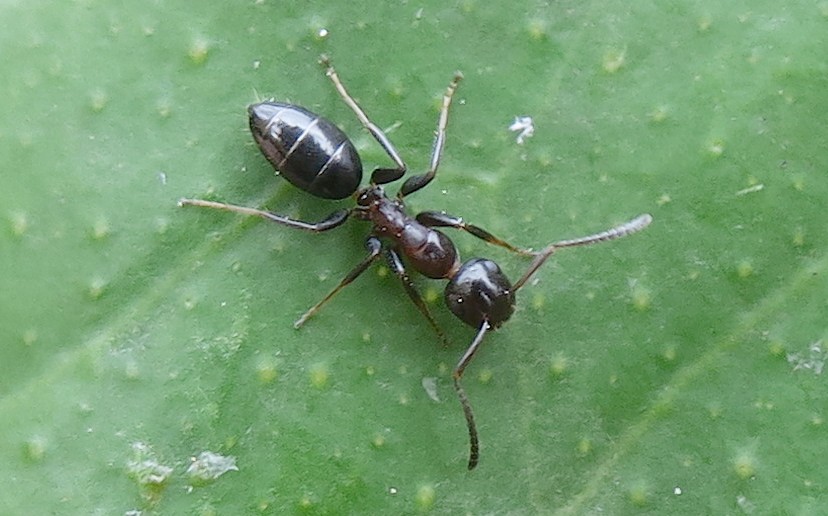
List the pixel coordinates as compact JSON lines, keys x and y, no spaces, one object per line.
{"x":677,"y":371}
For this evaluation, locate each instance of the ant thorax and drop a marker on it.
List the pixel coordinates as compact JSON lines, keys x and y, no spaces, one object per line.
{"x":369,"y":195}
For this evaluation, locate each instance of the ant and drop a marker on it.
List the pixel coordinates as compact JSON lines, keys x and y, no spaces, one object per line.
{"x":316,"y":156}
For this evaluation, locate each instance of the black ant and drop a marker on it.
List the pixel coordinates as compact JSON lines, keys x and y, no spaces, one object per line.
{"x":316,"y":156}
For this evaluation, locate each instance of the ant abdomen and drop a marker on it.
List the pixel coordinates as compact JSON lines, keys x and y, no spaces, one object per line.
{"x":480,"y":292}
{"x":308,"y":150}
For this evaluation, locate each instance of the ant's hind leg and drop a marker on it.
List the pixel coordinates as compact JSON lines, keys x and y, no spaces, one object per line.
{"x":438,"y":219}
{"x":331,"y":221}
{"x":381,"y":175}
{"x":415,"y":183}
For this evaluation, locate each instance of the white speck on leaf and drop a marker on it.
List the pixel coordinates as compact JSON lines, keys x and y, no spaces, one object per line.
{"x":209,"y":466}
{"x":145,"y":468}
{"x":430,"y":386}
{"x":751,"y":189}
{"x":746,"y":505}
{"x":524,"y":126}
{"x":813,"y":360}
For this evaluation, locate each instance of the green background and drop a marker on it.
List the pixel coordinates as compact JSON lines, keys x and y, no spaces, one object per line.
{"x":656,"y":374}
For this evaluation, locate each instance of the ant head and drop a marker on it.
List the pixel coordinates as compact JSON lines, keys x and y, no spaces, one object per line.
{"x":481,"y":292}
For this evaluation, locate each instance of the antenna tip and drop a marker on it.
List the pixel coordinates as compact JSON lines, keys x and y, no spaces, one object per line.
{"x":642,"y":221}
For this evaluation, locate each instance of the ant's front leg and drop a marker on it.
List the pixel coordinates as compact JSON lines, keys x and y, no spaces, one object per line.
{"x":441,"y":219}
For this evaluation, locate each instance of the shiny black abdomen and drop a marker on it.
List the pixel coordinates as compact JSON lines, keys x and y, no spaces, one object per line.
{"x":308,"y":150}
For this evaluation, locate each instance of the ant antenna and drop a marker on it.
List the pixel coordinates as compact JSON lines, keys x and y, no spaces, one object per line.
{"x":628,"y":228}
{"x":622,"y":230}
{"x":474,"y":450}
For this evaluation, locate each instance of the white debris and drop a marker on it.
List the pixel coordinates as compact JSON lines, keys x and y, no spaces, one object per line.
{"x":430,"y":385}
{"x":145,"y":468}
{"x":746,"y":505}
{"x":814,"y":360}
{"x":524,"y":126}
{"x":752,"y":189}
{"x":209,"y":466}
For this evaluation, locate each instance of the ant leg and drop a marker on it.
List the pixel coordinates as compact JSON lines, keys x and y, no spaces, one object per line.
{"x":633,"y":226}
{"x":439,"y":219}
{"x":397,"y":266}
{"x":331,"y":221}
{"x":474,"y":442}
{"x":415,"y":183}
{"x":380,"y":175}
{"x":374,"y":248}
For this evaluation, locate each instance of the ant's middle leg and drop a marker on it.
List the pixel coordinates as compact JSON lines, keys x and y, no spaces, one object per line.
{"x":440,"y":219}
{"x":380,"y":175}
{"x":331,"y":221}
{"x":415,"y":183}
{"x":397,"y":266}
{"x":374,"y":246}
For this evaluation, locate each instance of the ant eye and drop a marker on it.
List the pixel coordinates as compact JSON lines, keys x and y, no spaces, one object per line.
{"x":480,"y":291}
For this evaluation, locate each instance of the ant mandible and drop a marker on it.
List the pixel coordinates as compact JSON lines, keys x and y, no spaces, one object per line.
{"x":316,"y":156}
